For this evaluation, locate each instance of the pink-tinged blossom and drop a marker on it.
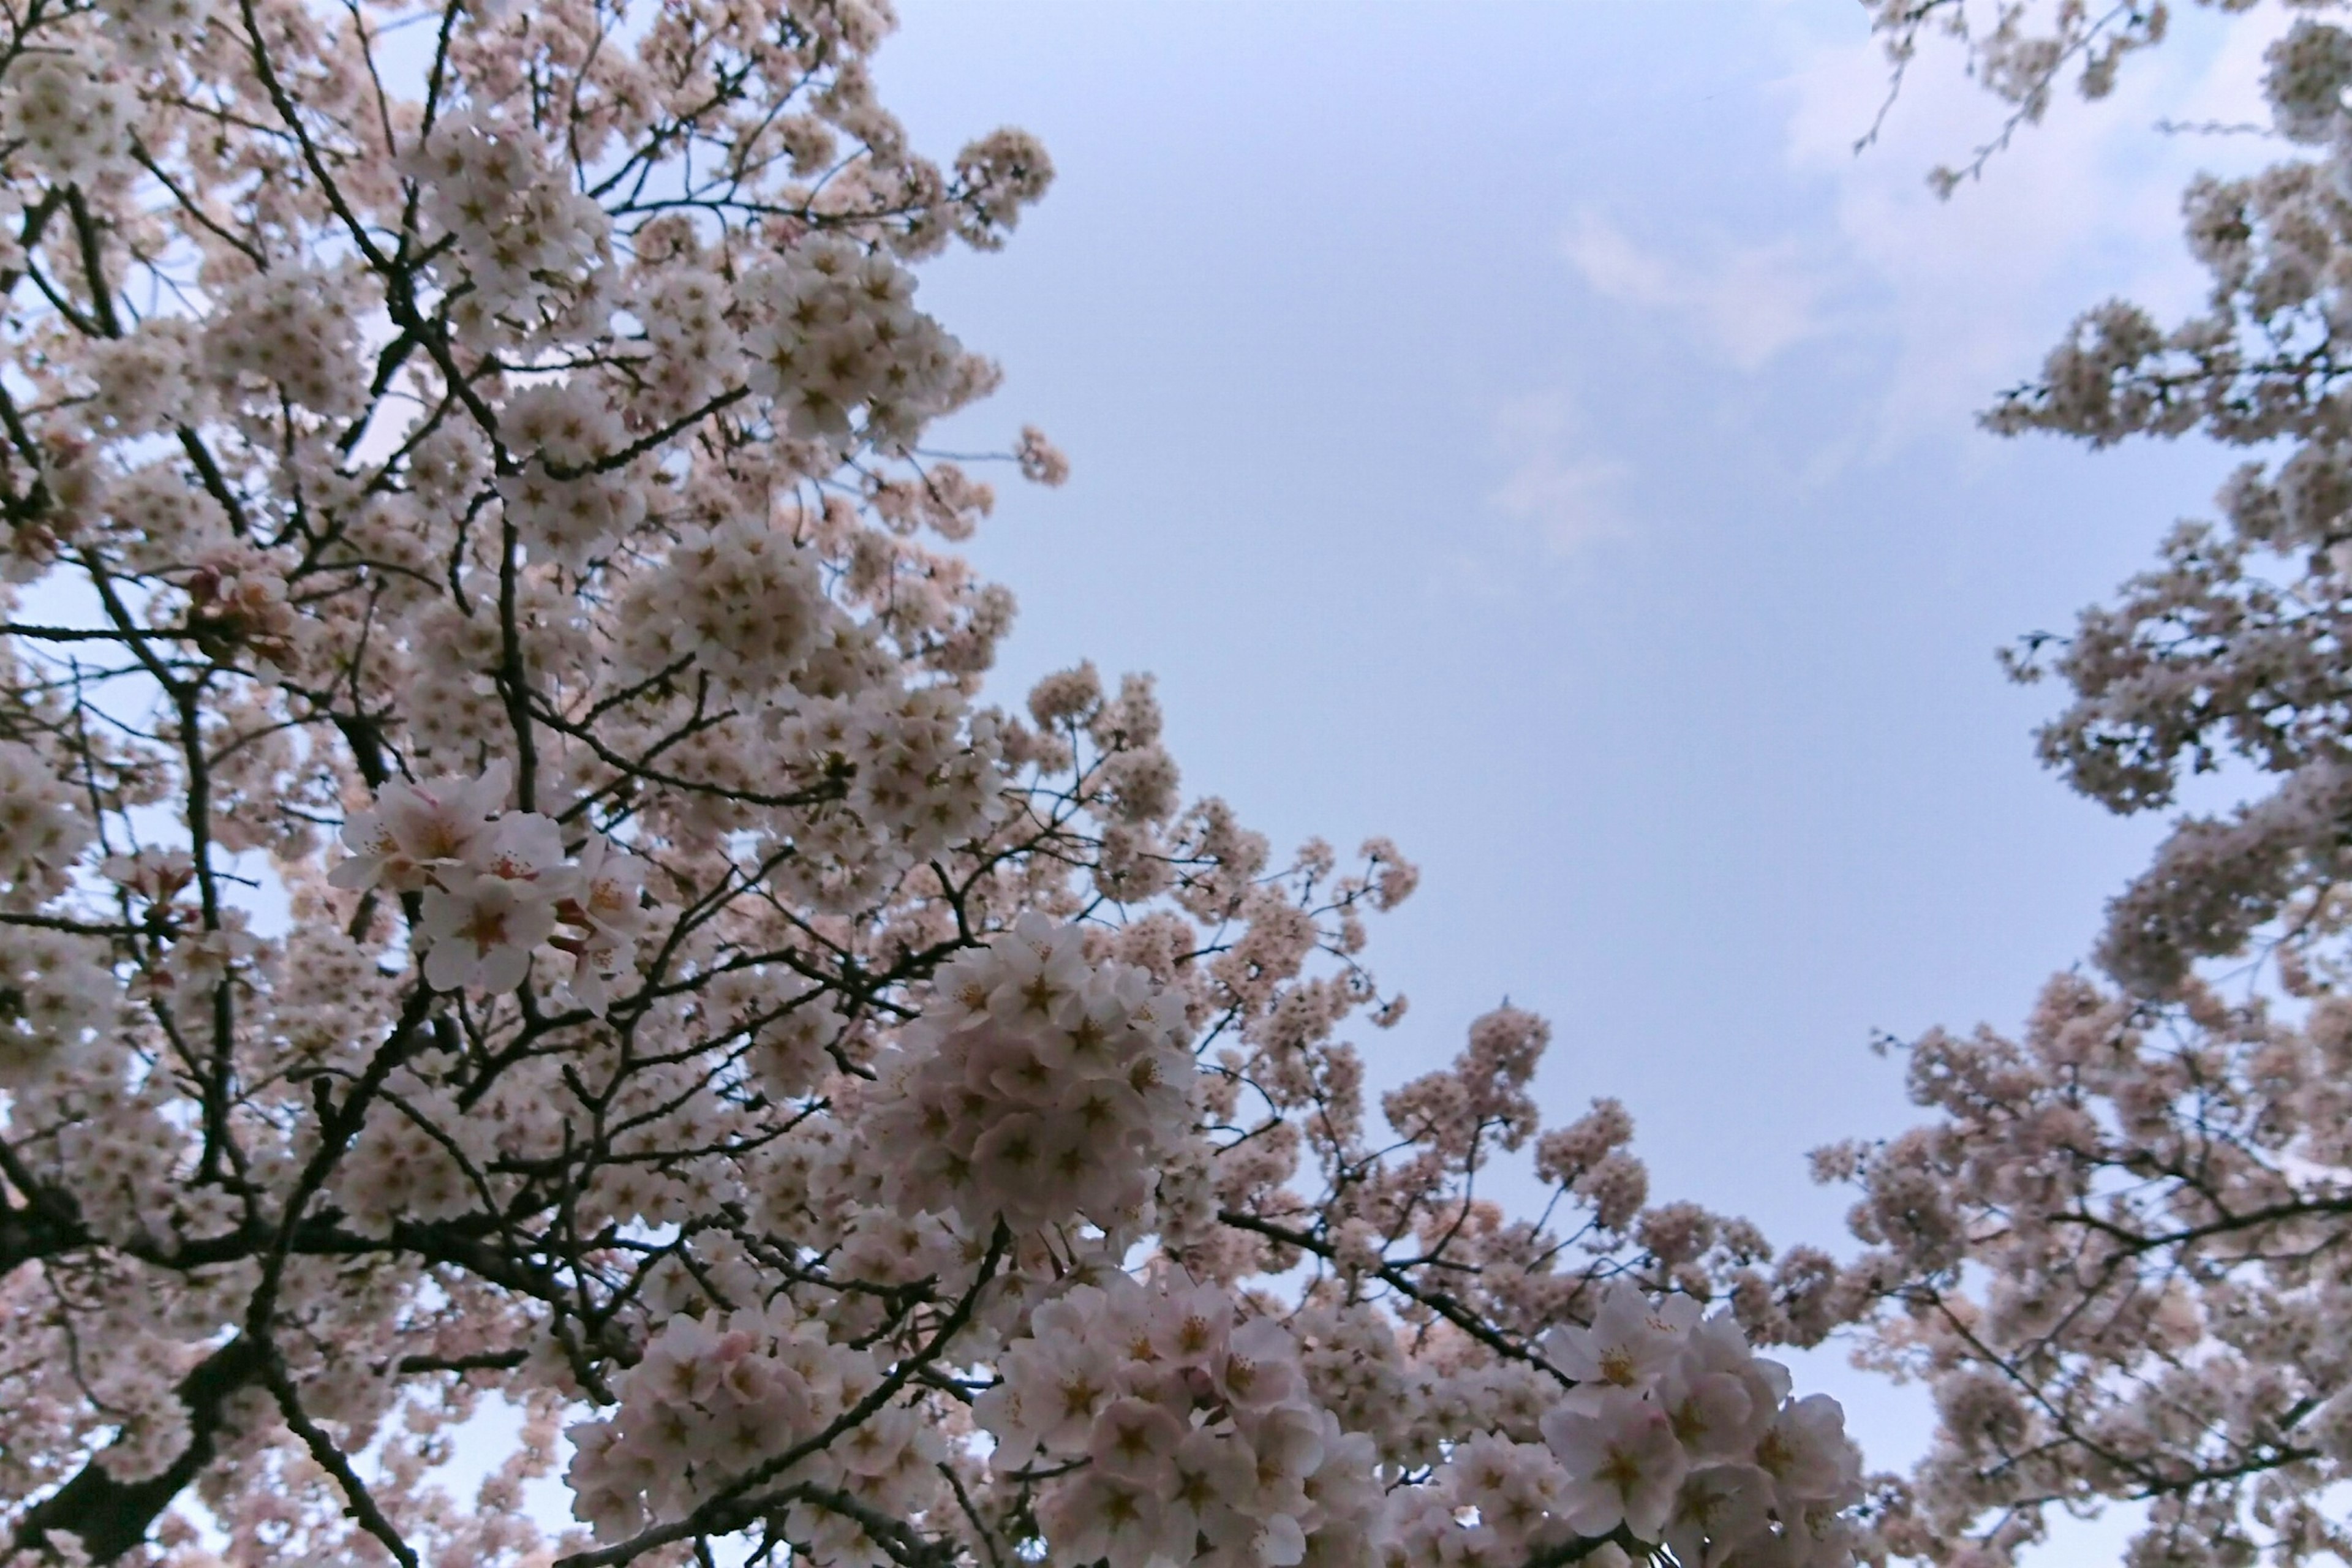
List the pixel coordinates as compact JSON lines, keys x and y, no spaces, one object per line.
{"x":1718,"y":1511}
{"x":524,"y":846}
{"x":607,"y":905}
{"x":41,"y":830}
{"x":1622,"y":1463}
{"x":71,"y":114}
{"x":479,"y":931}
{"x":414,"y":831}
{"x":861,"y":1116}
{"x":1631,"y":1340}
{"x":609,"y":887}
{"x":1105,"y":1517}
{"x":1056,"y":1097}
{"x":1806,"y":1453}
{"x":1260,"y":1364}
{"x":1136,"y":1440}
{"x":1229,"y":1450}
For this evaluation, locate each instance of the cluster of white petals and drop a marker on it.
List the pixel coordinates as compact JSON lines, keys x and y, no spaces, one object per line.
{"x":719,"y":1396}
{"x":1679,"y":1432}
{"x":2115,"y":1250}
{"x":70,"y":114}
{"x":42,"y":832}
{"x":739,"y":600}
{"x":1194,"y":1429}
{"x":515,"y":232}
{"x":55,"y":994}
{"x":532,"y":962}
{"x":566,"y":501}
{"x":833,"y":330}
{"x":287,"y":334}
{"x":1037,"y":1088}
{"x":1674,"y":1434}
{"x":495,"y":885}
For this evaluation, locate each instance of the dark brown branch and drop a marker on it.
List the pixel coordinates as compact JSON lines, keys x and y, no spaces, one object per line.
{"x":110,"y":1517}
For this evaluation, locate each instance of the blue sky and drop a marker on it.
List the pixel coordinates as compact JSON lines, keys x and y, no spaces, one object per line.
{"x":1528,"y":430}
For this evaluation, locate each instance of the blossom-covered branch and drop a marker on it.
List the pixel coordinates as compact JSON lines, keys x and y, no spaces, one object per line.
{"x":518,"y":918}
{"x":2117,"y":1253}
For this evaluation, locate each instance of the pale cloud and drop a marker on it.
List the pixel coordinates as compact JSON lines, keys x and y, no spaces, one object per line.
{"x":1958,"y":298}
{"x":1970,"y":293}
{"x":1936,"y":304}
{"x":1744,"y":302}
{"x":1569,"y":495}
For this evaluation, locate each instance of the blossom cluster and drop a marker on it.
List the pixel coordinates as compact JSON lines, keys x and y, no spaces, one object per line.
{"x":1199,"y":1440}
{"x":288,"y":335}
{"x":55,"y":994}
{"x":1677,"y":1431}
{"x":739,"y":600}
{"x":495,"y":885}
{"x":515,"y":232}
{"x":1196,"y":1434}
{"x":563,"y":501}
{"x":718,"y":1395}
{"x":71,"y":113}
{"x":1674,"y":1434}
{"x":2113,"y":1247}
{"x":1038,"y":1088}
{"x":494,"y":437}
{"x":835,"y":330}
{"x":41,"y":831}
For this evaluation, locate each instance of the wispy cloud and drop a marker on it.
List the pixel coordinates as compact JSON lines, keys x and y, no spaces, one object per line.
{"x":1969,"y":292}
{"x":1930,"y":307}
{"x":1567,"y":494}
{"x":1953,"y":300}
{"x":1744,"y":303}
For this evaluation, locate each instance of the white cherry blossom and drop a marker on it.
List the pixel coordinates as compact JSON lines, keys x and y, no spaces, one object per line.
{"x":545,"y":966}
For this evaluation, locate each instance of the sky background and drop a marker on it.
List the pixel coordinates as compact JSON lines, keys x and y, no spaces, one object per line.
{"x":1531,"y":431}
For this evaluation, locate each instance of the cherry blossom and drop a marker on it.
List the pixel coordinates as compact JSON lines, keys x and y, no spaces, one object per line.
{"x":413,"y":831}
{"x":532,"y":943}
{"x":2111,"y":1251}
{"x":1624,"y":1462}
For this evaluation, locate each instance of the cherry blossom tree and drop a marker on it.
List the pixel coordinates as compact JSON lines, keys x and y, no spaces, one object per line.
{"x":2120,"y":1253}
{"x":523,"y":938}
